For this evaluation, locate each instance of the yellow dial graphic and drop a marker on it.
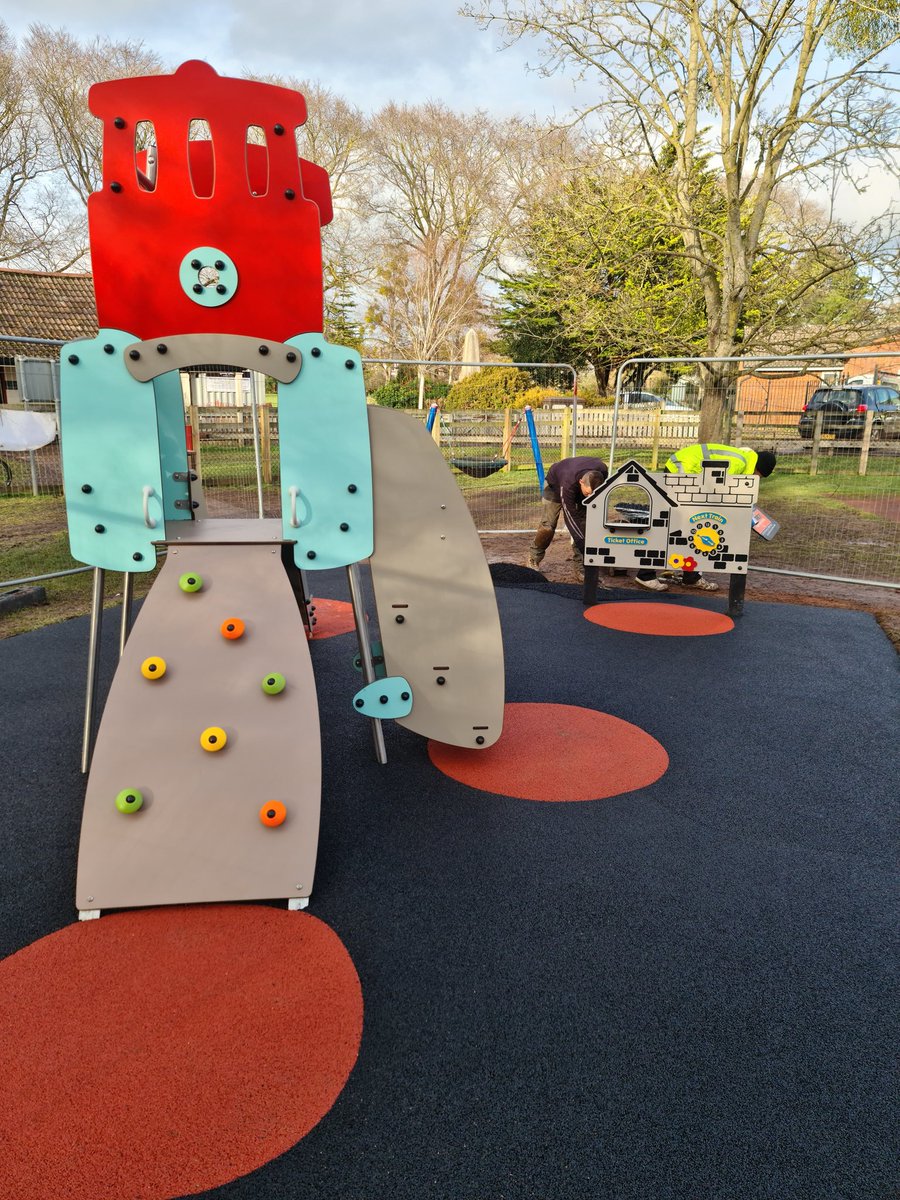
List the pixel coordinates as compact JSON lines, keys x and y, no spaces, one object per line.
{"x":706,"y":539}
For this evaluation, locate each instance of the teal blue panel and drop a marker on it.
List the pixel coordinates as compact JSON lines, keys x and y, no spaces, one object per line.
{"x":172,"y":446}
{"x":388,"y":697}
{"x":377,"y":660}
{"x":208,"y":276}
{"x":326,"y":461}
{"x":110,"y":454}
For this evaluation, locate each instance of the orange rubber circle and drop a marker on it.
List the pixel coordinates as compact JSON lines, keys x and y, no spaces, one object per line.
{"x":232,"y":628}
{"x":213,"y":739}
{"x":226,"y":1085}
{"x":153,"y":668}
{"x":272,"y":813}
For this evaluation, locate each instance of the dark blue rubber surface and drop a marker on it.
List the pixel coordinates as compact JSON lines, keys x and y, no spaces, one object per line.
{"x":683,"y":993}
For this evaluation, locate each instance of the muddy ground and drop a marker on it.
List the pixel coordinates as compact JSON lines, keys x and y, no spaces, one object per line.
{"x":883,"y":603}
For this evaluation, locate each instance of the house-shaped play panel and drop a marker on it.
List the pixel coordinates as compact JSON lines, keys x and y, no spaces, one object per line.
{"x":641,"y":519}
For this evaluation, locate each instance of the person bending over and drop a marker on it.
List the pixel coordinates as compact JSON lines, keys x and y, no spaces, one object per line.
{"x":689,"y":461}
{"x":568,"y":483}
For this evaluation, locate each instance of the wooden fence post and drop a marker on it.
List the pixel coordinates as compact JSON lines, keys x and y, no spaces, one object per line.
{"x":657,"y":422}
{"x":507,"y":439}
{"x":565,"y":440}
{"x":265,"y":442}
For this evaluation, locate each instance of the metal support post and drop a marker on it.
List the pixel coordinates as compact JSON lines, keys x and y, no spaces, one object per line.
{"x":365,"y":651}
{"x":254,"y":411}
{"x":589,"y":590}
{"x":127,"y":599}
{"x":737,"y":585}
{"x":93,"y":667}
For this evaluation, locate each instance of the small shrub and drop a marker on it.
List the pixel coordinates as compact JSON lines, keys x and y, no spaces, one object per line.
{"x":490,"y":389}
{"x":405,"y":394}
{"x":535,"y":396}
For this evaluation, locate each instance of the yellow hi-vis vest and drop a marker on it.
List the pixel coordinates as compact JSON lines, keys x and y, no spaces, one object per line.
{"x":690,"y":459}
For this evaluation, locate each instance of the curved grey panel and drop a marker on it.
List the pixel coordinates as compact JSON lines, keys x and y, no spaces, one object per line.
{"x":198,"y":836}
{"x":428,"y":567}
{"x":193,"y":349}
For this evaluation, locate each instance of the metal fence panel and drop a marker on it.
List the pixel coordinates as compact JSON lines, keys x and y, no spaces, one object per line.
{"x":836,"y":498}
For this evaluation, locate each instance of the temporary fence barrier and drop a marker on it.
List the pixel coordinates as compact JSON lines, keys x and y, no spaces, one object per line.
{"x":836,"y":490}
{"x":837,"y":499}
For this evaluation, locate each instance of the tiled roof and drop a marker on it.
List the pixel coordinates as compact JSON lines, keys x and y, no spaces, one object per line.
{"x":44,"y":304}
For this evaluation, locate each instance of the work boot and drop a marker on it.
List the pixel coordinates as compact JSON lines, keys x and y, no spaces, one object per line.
{"x":702,"y":585}
{"x":652,"y":585}
{"x":533,"y":560}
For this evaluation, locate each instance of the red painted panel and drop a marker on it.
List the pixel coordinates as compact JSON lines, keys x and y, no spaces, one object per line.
{"x":139,"y":237}
{"x":315,"y":181}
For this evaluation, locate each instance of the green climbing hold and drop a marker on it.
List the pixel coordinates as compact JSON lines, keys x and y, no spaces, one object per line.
{"x":190,"y":582}
{"x":273,"y":683}
{"x":129,"y":800}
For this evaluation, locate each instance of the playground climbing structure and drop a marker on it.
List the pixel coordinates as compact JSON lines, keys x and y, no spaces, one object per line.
{"x":205,"y":781}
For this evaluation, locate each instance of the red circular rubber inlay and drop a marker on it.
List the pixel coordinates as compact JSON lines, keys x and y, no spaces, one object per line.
{"x":332,"y":617}
{"x":161,"y":1052}
{"x":557,"y":752}
{"x":660,"y":620}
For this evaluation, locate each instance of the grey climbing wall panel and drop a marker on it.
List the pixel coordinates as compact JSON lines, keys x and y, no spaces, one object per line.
{"x":198,"y":836}
{"x":437,"y":611}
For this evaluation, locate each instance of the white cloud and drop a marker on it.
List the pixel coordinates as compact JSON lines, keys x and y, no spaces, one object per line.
{"x":370,"y":54}
{"x":395,"y":50}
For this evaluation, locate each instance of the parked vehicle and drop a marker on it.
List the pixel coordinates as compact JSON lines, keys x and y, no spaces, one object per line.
{"x":641,"y":400}
{"x":844,"y":412}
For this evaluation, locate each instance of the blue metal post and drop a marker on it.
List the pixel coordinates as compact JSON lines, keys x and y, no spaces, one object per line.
{"x":429,"y":420}
{"x":535,"y":448}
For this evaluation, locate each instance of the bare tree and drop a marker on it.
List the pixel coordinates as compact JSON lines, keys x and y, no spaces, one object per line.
{"x":33,"y":230}
{"x":60,"y":71}
{"x":445,"y":190}
{"x":335,"y":138}
{"x":778,"y":91}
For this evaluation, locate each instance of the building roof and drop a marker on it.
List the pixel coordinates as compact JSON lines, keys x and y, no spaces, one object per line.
{"x":859,"y":360}
{"x":44,"y":304}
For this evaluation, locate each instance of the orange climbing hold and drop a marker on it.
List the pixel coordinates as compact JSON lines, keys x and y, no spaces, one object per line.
{"x":232,"y":628}
{"x":273,"y":813}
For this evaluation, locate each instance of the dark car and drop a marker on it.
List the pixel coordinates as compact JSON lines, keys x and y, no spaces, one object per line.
{"x":844,"y":411}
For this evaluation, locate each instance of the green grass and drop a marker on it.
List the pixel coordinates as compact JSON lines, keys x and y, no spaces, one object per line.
{"x":834,"y":483}
{"x":820,"y":531}
{"x":34,"y":541}
{"x":232,"y":466}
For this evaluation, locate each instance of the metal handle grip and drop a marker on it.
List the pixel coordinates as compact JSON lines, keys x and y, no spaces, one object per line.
{"x":149,"y":521}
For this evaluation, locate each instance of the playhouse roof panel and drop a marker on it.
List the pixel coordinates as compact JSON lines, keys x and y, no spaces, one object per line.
{"x":44,"y":304}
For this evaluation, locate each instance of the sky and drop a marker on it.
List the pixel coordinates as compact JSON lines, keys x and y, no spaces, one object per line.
{"x":369,"y":53}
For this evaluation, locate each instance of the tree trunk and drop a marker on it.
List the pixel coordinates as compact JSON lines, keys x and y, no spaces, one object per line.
{"x":601,"y":374}
{"x":716,"y":392}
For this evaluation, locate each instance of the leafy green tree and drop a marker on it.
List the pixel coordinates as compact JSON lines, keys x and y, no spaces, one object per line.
{"x":342,"y":326}
{"x":785,"y":93}
{"x":607,"y":280}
